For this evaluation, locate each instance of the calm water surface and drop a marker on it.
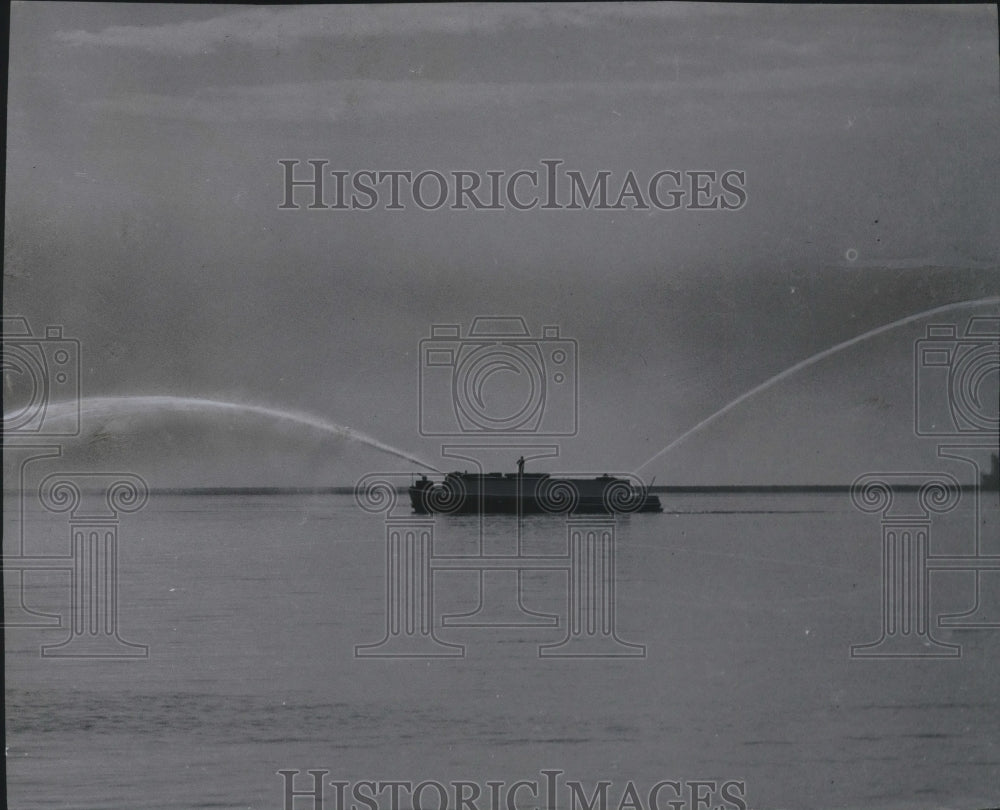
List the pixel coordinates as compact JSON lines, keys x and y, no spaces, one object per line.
{"x":252,"y":606}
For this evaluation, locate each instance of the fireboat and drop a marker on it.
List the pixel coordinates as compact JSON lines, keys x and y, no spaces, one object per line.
{"x":524,"y":493}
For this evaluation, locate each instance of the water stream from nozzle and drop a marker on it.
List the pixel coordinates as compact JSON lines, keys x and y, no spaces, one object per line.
{"x":109,"y":406}
{"x":809,"y":361}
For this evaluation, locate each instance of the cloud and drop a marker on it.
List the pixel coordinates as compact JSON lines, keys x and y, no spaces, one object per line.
{"x":268,"y":28}
{"x":772,"y":54}
{"x":332,"y":100}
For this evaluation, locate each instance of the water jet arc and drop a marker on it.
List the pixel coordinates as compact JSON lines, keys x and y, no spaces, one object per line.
{"x":132,"y":404}
{"x":788,"y":372}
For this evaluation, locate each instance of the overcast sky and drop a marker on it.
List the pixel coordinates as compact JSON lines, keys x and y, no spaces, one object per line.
{"x":142,"y":214}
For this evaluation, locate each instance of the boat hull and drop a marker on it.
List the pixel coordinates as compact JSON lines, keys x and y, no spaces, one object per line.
{"x":493,"y":494}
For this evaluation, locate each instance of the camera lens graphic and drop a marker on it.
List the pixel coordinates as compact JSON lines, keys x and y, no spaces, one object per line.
{"x":975,"y":387}
{"x":25,"y":386}
{"x":499,"y":387}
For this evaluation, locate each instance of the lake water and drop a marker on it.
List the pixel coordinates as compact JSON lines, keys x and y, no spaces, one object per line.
{"x":252,"y":607}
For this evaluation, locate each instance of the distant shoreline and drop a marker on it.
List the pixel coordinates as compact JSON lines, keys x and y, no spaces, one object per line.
{"x":688,"y":489}
{"x":692,"y":489}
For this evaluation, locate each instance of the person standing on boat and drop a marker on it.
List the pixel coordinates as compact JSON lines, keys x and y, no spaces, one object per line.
{"x":520,"y":466}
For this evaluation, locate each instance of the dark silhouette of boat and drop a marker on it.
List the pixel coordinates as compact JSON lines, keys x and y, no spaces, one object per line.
{"x":524,"y":493}
{"x":990,"y":481}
